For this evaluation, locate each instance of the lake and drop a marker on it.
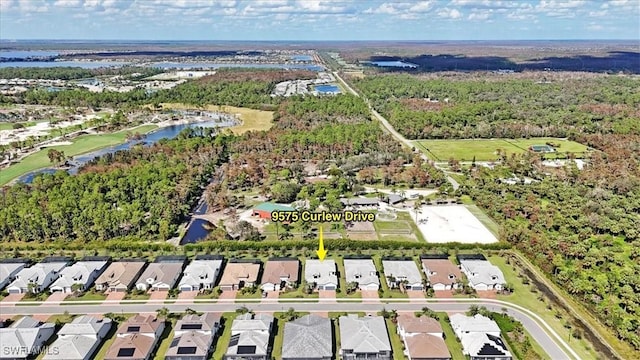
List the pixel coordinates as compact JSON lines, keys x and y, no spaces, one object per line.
{"x":168,"y":132}
{"x":400,"y":64}
{"x":18,"y":54}
{"x":302,"y":58}
{"x":47,"y":64}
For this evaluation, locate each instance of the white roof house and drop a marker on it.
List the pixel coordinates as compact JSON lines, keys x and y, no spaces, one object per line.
{"x":200,"y":275}
{"x":322,"y":273}
{"x":480,"y":337}
{"x":363,"y":272}
{"x":398,"y":271}
{"x":24,"y":338}
{"x":364,"y":336}
{"x":8,"y":271}
{"x":79,"y":339}
{"x":83,"y":273}
{"x":482,"y":275}
{"x":309,"y":337}
{"x":40,"y":276}
{"x":250,"y":336}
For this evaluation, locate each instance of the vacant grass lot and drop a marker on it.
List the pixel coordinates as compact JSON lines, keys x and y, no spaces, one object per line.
{"x":252,"y":120}
{"x":81,"y":144}
{"x":485,"y":149}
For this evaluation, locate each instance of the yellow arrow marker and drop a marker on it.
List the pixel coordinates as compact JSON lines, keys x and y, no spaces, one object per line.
{"x":322,"y":253}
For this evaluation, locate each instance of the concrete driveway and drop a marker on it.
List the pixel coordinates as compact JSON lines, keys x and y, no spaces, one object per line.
{"x":187,"y":294}
{"x":13,"y":298}
{"x":116,"y":295}
{"x":228,"y":294}
{"x":370,"y":296}
{"x":158,"y":295}
{"x":56,"y":297}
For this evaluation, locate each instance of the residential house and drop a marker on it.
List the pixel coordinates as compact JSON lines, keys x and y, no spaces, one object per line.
{"x":364,"y":338}
{"x":162,"y":274}
{"x":308,"y":338}
{"x":250,"y":338}
{"x":393,"y":199}
{"x":38,"y":277}
{"x":482,"y":275}
{"x":136,"y":338}
{"x":193,"y":337}
{"x":280,"y":273}
{"x":363,"y":272}
{"x":238,"y":274}
{"x":321,"y":273}
{"x":402,"y":273}
{"x":25,"y":338}
{"x":264,"y":210}
{"x":201,"y":274}
{"x":442,"y":273}
{"x":423,"y":338}
{"x":79,"y":339}
{"x":120,"y":275}
{"x":480,"y":337}
{"x":9,"y":268}
{"x":81,"y":275}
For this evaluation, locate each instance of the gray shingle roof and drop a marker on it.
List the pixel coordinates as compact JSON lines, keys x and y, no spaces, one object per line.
{"x":362,"y":271}
{"x":307,"y":337}
{"x":482,"y":272}
{"x":364,"y":334}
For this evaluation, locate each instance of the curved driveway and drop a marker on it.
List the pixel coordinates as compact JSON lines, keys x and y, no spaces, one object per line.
{"x":541,"y":332}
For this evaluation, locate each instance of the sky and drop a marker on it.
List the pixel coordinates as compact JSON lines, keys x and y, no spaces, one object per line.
{"x":319,"y":19}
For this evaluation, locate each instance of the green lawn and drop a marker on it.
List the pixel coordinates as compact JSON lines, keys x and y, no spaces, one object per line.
{"x":397,"y":347}
{"x":382,"y":226}
{"x":485,"y":220}
{"x":6,"y":126}
{"x":485,"y":149}
{"x":81,"y":145}
{"x":144,"y":296}
{"x":455,"y":348}
{"x":523,"y":296}
{"x":86,"y":297}
{"x":222,"y":342}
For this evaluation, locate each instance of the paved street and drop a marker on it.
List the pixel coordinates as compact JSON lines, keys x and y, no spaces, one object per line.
{"x":548,"y":339}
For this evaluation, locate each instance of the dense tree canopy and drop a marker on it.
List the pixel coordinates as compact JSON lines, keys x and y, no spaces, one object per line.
{"x":465,"y":106}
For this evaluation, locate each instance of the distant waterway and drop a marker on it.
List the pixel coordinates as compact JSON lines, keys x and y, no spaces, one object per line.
{"x":168,"y":132}
{"x":26,"y":54}
{"x":398,"y":64}
{"x":70,"y":63}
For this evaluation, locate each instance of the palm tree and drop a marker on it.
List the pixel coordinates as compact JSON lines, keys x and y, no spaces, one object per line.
{"x":162,"y":313}
{"x":417,"y":207}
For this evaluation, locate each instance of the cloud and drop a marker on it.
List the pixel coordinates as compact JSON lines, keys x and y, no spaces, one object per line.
{"x":449,"y":13}
{"x":479,"y":15}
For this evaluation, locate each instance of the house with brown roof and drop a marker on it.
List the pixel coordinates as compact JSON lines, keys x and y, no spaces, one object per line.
{"x":280,"y":273}
{"x":442,"y":273}
{"x":136,"y":338}
{"x":120,"y":275}
{"x":238,"y":274}
{"x":193,"y":337}
{"x":423,"y":338}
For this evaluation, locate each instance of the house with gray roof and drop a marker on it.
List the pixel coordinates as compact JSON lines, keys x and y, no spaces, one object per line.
{"x":364,"y":338}
{"x":79,"y":339}
{"x":37,"y":277}
{"x":360,"y":202}
{"x":200,"y":274}
{"x":83,"y":274}
{"x":161,"y":275}
{"x":321,"y":273}
{"x":402,"y":272}
{"x":482,"y":275}
{"x":363,"y":272}
{"x":308,"y":338}
{"x":250,"y":338}
{"x":193,"y":337}
{"x":25,"y":338}
{"x":9,"y":268}
{"x":480,"y":337}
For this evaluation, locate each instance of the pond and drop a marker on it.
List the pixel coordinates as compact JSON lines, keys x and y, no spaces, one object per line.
{"x":327,"y":89}
{"x":47,"y":64}
{"x":195,"y":232}
{"x":168,"y":132}
{"x":400,"y":64}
